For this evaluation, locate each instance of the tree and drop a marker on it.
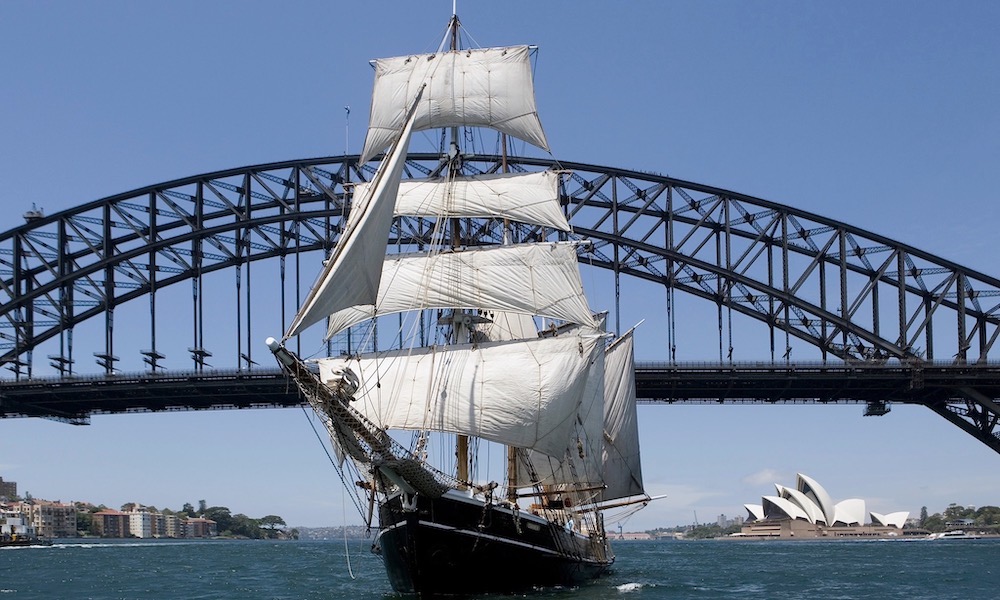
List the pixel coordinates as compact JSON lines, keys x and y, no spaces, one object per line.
{"x":934,"y":522}
{"x":84,"y":521}
{"x":221,"y":515}
{"x":923,"y":515}
{"x":271,"y":522}
{"x":201,"y":507}
{"x":988,"y":515}
{"x":187,"y":509}
{"x":243,"y":526}
{"x":955,"y":512}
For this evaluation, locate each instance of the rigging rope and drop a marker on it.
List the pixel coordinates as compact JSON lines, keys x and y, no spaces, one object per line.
{"x":340,"y":472}
{"x":347,"y":550}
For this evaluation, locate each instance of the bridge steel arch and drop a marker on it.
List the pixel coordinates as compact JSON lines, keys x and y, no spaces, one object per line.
{"x":851,"y":294}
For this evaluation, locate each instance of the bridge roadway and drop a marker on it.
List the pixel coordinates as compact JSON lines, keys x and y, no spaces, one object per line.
{"x":964,"y":394}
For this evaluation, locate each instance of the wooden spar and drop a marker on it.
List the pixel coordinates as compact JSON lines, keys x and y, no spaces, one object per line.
{"x":595,"y":507}
{"x":555,"y":492}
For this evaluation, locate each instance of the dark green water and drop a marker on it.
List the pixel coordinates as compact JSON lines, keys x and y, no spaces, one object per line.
{"x":911,"y":570}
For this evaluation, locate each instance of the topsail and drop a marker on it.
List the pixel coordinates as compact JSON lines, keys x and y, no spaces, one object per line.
{"x":489,"y":87}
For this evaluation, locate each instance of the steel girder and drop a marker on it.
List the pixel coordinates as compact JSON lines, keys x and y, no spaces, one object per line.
{"x":851,"y":294}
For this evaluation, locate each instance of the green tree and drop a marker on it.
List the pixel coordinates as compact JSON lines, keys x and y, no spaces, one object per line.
{"x":923,"y":515}
{"x":187,"y":508}
{"x":272,"y":522}
{"x":221,"y":515}
{"x":202,"y":507}
{"x":934,"y":522}
{"x":243,"y":526}
{"x":988,"y":515}
{"x":955,"y":512}
{"x":84,"y":521}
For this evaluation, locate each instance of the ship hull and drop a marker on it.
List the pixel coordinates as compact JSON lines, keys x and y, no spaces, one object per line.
{"x":17,"y":543}
{"x":460,"y":545}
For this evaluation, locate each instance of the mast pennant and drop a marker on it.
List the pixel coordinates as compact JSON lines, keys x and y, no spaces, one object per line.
{"x":351,"y":275}
{"x":488,"y":87}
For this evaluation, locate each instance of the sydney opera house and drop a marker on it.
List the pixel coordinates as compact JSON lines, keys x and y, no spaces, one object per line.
{"x":807,"y":511}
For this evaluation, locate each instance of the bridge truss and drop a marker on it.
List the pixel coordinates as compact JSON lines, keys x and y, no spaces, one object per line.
{"x":848,"y":295}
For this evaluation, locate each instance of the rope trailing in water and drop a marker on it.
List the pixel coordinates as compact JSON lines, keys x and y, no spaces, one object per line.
{"x":340,"y":472}
{"x":343,"y":492}
{"x":347,"y":550}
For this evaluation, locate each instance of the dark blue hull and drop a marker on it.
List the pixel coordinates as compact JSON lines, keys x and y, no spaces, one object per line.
{"x":457,"y":545}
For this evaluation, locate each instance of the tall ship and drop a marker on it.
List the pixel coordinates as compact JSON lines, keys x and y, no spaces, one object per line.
{"x":487,"y":444}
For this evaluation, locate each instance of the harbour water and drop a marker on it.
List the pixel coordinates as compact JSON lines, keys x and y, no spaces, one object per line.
{"x":910,"y":569}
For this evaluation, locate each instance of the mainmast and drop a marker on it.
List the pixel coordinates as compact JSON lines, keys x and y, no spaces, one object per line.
{"x":454,"y":170}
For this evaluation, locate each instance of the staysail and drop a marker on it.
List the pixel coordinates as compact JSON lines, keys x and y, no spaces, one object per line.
{"x":488,"y":87}
{"x":622,"y":467}
{"x":351,"y":275}
{"x":524,"y":393}
{"x":537,"y":279}
{"x":531,"y":198}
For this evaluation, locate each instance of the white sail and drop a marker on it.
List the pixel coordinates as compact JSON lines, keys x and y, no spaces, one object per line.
{"x":505,"y":326}
{"x":622,"y":468}
{"x":581,"y":462}
{"x":523,"y":393}
{"x":531,"y":198}
{"x":538,"y":279}
{"x":489,"y":87}
{"x":351,"y":275}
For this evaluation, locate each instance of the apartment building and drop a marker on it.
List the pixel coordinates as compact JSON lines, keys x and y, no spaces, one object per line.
{"x":112,"y":523}
{"x":52,"y":519}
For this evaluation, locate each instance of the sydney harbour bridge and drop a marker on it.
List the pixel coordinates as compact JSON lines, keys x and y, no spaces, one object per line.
{"x":183,"y":279}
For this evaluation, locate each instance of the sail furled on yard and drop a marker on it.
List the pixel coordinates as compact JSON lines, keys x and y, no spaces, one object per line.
{"x":487,"y":87}
{"x":524,"y":393}
{"x":537,"y":279}
{"x":531,"y":198}
{"x":622,"y":467}
{"x":351,"y":276}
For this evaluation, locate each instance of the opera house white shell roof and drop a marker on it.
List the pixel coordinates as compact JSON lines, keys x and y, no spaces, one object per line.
{"x":809,"y":501}
{"x":896,"y":519}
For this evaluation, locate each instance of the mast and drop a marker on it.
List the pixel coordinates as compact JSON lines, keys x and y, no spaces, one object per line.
{"x":511,"y":450}
{"x":454,"y":167}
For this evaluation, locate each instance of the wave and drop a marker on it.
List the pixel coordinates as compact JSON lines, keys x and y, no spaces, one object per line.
{"x":629,"y":587}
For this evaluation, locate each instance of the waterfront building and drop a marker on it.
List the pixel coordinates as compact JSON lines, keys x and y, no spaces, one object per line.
{"x":808,"y":511}
{"x":111,"y":523}
{"x":199,"y":528}
{"x":158,"y":524}
{"x":52,"y":519}
{"x":172,"y":526}
{"x":140,"y":524}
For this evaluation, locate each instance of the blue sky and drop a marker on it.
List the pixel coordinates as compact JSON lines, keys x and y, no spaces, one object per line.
{"x":880,"y":114}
